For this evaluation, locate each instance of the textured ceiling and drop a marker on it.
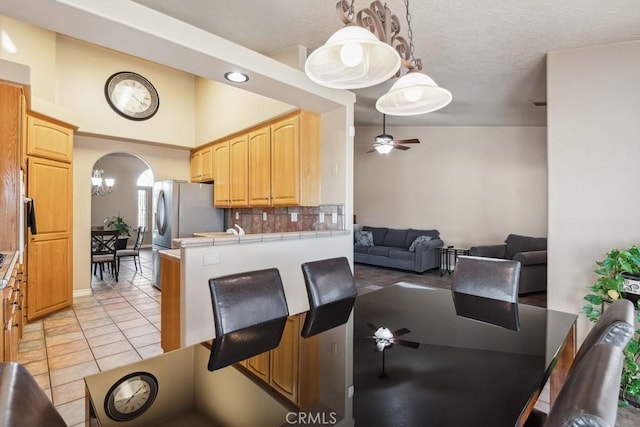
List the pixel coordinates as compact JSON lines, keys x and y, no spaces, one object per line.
{"x":489,"y":54}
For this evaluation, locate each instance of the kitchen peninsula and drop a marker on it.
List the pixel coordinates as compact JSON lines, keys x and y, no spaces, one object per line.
{"x":187,"y":314}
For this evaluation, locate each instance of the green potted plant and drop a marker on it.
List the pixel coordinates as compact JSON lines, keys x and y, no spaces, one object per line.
{"x":117,"y":222}
{"x":612,"y":271}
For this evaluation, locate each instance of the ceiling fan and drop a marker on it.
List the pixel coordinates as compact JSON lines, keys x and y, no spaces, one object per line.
{"x":385,"y":339}
{"x":384,"y":142}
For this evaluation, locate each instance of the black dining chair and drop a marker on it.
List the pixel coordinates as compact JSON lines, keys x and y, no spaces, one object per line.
{"x":134,"y":251}
{"x":22,"y":401}
{"x":589,"y":396}
{"x":103,"y":251}
{"x":332,"y":292}
{"x":487,"y":277}
{"x":250,"y":312}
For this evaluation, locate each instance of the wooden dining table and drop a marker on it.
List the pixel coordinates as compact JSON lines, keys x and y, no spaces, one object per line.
{"x":454,"y":359}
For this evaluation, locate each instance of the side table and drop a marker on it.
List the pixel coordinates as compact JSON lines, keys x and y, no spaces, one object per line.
{"x":449,"y":257}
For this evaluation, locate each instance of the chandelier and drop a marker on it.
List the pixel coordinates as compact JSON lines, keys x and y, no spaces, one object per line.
{"x":369,"y":51}
{"x":101,"y":186}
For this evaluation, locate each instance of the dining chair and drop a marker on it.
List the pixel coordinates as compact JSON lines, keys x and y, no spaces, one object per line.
{"x":487,"y":277}
{"x":134,"y":251}
{"x":103,"y":251}
{"x":250,"y":312}
{"x":332,"y":292}
{"x":589,"y":396}
{"x":22,"y":401}
{"x":593,"y":400}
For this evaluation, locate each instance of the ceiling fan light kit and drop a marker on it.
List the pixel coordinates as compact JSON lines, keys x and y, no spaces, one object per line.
{"x":369,"y":51}
{"x":352,"y":58}
{"x":414,"y":93}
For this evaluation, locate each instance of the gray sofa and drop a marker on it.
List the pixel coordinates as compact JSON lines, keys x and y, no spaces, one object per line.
{"x":531,"y":252}
{"x":398,"y":248}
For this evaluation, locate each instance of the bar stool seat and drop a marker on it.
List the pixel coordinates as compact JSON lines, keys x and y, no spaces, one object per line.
{"x":250,"y":312}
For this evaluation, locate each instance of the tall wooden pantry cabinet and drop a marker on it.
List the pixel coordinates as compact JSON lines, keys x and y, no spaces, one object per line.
{"x":49,"y":154}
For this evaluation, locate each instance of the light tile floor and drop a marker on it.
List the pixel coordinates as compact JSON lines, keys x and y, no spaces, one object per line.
{"x":118,"y":324}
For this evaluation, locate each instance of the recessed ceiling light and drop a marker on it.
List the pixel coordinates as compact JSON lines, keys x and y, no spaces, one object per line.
{"x":236,"y":77}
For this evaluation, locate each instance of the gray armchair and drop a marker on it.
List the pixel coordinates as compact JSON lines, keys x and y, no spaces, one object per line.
{"x":531,"y":252}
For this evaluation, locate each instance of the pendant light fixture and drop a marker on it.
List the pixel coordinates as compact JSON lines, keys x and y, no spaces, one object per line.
{"x":368,"y":51}
{"x":414,"y":93}
{"x":355,"y":57}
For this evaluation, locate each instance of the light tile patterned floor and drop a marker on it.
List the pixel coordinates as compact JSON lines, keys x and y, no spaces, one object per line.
{"x":118,"y":324}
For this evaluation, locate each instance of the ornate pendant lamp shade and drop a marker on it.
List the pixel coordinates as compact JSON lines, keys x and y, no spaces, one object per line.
{"x":368,"y":51}
{"x":414,"y":93}
{"x":352,"y":58}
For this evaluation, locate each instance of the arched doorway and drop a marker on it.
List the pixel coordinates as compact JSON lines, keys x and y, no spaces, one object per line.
{"x":129,"y":196}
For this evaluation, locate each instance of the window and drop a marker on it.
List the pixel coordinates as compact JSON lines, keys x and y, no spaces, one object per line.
{"x":145,"y":180}
{"x":142,"y":206}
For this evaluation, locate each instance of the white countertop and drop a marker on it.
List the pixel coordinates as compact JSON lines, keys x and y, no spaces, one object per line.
{"x":212,"y":239}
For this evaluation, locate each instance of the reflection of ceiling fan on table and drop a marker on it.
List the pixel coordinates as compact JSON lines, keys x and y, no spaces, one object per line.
{"x":384,"y":142}
{"x":384,"y":339}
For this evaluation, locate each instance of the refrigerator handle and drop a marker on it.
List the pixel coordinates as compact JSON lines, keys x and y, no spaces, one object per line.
{"x":161,"y":214}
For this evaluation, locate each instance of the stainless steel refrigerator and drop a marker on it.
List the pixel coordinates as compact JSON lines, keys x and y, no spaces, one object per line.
{"x":179,"y":210}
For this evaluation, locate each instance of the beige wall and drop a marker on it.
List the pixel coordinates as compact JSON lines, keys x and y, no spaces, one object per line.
{"x":221,"y":110}
{"x":83,"y":69}
{"x":166,"y":163}
{"x":474,"y":184}
{"x":36,"y":47}
{"x":594,"y":147}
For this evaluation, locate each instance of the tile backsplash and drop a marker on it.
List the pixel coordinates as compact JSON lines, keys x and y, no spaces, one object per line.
{"x":278,"y":220}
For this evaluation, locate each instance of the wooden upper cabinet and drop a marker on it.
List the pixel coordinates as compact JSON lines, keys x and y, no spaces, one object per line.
{"x":207,"y":164}
{"x":49,"y":140}
{"x":276,"y":164}
{"x":201,"y":169}
{"x":239,"y":171}
{"x":285,"y":163}
{"x":260,"y":167}
{"x":295,"y":161}
{"x":221,"y":194}
{"x":195,"y":167}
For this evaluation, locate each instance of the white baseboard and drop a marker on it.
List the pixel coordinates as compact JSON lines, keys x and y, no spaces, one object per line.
{"x":82,"y":292}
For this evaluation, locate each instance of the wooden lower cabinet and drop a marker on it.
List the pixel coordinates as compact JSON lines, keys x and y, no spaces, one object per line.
{"x":11,"y":302}
{"x":49,"y":251}
{"x":260,"y":365}
{"x":170,"y":306}
{"x":293,"y":368}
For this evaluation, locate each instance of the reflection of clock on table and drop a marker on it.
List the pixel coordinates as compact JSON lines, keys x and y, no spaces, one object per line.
{"x":131,"y":95}
{"x":131,"y":396}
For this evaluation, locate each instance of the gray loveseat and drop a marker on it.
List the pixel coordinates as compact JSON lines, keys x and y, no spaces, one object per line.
{"x":531,"y":252}
{"x":398,"y":248}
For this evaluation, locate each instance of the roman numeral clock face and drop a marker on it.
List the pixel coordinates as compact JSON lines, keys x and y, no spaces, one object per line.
{"x":132,"y":96}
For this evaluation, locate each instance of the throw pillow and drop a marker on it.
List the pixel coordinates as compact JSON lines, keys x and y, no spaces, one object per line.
{"x":419,"y":239}
{"x":364,"y":238}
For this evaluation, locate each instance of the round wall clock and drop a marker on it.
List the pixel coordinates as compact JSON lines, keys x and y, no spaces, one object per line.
{"x":131,"y":95}
{"x":131,"y":396}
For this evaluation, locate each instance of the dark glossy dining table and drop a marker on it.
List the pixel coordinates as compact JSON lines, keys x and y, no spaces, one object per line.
{"x":462,"y":360}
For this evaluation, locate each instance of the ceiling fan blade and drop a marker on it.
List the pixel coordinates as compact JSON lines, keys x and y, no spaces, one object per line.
{"x":405,"y":343}
{"x":407,"y":141}
{"x":401,"y":147}
{"x":401,"y":331}
{"x":373,"y":150}
{"x":371,"y":325}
